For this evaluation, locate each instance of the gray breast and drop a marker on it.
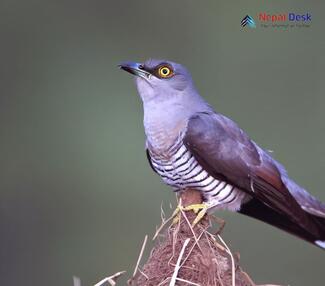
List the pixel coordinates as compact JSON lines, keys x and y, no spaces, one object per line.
{"x":179,"y":169}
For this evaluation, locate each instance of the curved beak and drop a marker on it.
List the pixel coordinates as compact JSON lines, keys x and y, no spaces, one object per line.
{"x":135,"y":69}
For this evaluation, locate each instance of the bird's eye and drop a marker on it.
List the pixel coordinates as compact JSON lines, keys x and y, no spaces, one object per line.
{"x":165,"y":71}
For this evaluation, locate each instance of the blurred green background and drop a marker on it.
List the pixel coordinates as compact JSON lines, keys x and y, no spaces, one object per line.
{"x":77,"y":195}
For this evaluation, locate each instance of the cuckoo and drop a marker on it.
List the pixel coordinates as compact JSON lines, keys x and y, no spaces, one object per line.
{"x":191,"y":146}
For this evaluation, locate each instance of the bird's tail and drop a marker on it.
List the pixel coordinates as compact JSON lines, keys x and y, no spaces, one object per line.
{"x":314,"y":234}
{"x":320,"y":222}
{"x":314,"y":209}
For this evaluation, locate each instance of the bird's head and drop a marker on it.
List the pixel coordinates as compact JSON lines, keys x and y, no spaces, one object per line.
{"x":160,"y":80}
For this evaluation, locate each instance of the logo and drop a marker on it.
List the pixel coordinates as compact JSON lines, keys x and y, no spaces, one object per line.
{"x":283,"y":20}
{"x":248,"y":21}
{"x":283,"y":17}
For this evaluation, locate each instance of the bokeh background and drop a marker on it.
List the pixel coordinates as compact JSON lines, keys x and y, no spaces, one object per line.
{"x":76,"y":193}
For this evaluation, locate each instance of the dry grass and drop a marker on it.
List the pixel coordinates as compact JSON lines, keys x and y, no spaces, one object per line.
{"x":186,"y":255}
{"x":191,"y":256}
{"x":111,"y":280}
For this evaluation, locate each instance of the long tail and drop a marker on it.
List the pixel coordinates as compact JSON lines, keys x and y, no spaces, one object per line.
{"x":256,"y":209}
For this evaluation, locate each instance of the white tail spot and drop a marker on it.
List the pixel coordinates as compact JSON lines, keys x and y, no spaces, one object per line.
{"x":313,"y":211}
{"x":320,"y":243}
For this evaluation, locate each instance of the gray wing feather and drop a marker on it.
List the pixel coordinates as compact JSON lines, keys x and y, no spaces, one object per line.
{"x":225,"y":151}
{"x":307,"y":202}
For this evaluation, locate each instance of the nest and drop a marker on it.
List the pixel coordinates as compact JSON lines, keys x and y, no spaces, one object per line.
{"x":187,"y":255}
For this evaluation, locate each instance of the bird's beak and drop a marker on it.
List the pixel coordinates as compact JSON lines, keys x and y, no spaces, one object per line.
{"x":135,"y":69}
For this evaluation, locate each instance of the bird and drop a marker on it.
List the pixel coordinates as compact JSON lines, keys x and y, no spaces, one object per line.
{"x":191,"y":146}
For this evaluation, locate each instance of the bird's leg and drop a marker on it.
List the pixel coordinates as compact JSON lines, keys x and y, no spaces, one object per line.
{"x":177,"y":213}
{"x":193,"y":201}
{"x":199,"y":209}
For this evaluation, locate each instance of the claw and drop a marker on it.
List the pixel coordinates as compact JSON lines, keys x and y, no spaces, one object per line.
{"x":195,"y":208}
{"x":177,"y":214}
{"x":176,"y":218}
{"x":199,"y":209}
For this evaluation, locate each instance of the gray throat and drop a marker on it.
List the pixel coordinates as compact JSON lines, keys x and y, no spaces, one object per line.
{"x":164,"y":126}
{"x":166,"y":122}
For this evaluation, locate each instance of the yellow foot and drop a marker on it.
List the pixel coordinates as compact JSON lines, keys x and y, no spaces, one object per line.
{"x":176,"y":218}
{"x":199,"y":209}
{"x":177,"y":214}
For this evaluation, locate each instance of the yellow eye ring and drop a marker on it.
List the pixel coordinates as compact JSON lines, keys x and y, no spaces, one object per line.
{"x":165,"y":71}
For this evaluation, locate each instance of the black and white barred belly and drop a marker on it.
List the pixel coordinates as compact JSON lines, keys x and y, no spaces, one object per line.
{"x":180,"y":170}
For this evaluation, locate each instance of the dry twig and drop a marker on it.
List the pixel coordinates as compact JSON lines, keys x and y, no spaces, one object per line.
{"x":110,"y":279}
{"x":233,"y":270}
{"x":178,"y":263}
{"x":140,"y":255}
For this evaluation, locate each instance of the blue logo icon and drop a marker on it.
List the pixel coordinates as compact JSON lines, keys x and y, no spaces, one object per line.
{"x":248,"y":21}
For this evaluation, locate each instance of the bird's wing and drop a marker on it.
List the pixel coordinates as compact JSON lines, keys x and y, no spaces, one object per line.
{"x":149,"y":157}
{"x":227,"y":153}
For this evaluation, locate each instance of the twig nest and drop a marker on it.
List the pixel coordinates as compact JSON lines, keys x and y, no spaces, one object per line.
{"x":204,"y":261}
